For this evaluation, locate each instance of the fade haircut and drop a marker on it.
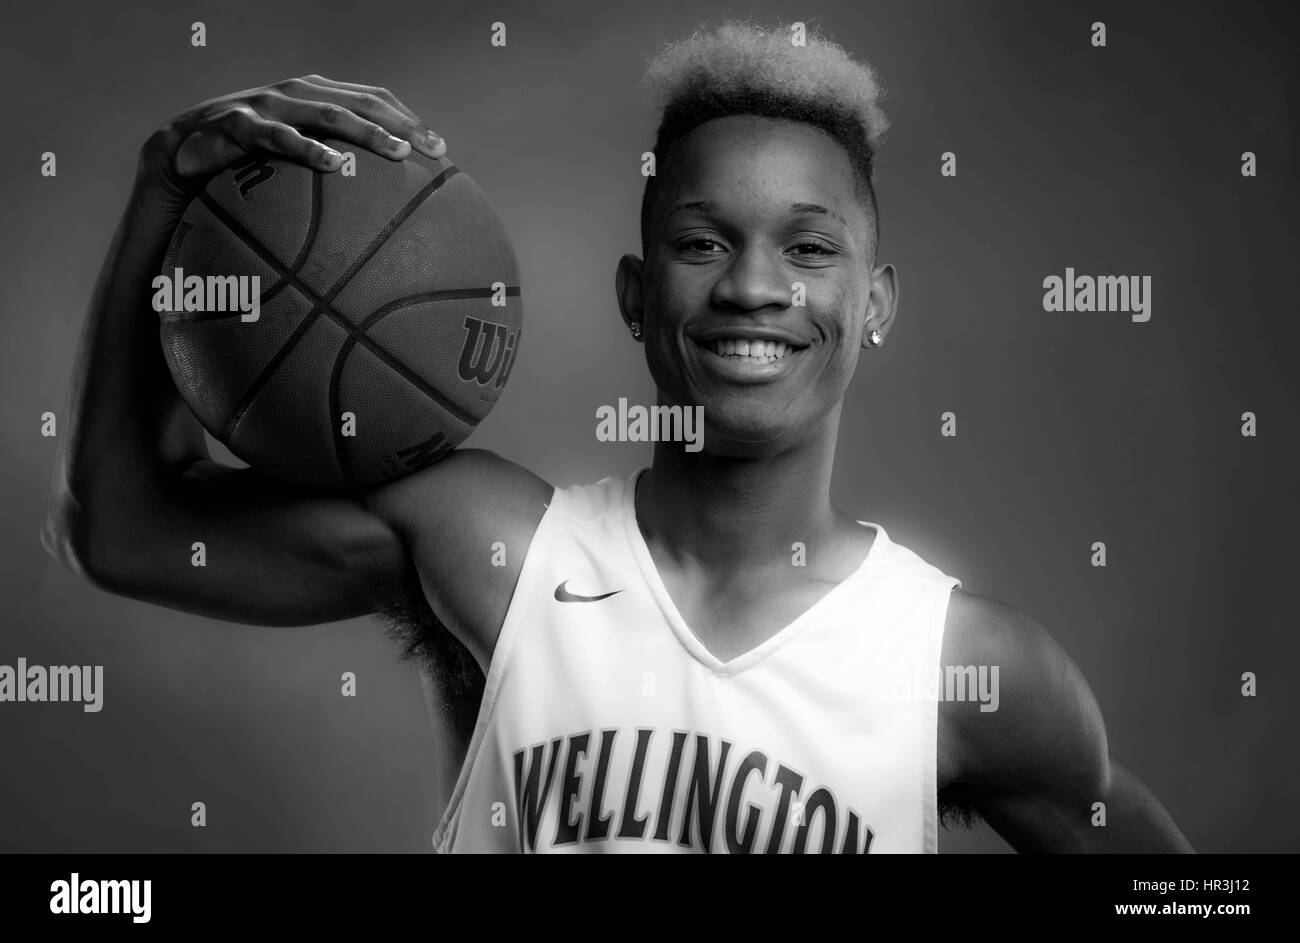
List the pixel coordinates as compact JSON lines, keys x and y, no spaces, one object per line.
{"x":738,"y":68}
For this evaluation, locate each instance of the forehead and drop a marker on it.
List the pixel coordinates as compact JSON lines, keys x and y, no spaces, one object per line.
{"x":756,"y":159}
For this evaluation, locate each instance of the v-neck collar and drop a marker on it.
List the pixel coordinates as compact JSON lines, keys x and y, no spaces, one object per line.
{"x":687,"y":637}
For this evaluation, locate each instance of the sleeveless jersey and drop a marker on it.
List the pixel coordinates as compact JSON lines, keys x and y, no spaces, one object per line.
{"x":606,"y":725}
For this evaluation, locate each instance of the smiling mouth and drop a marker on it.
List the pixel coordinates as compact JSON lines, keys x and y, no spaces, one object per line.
{"x":743,"y":350}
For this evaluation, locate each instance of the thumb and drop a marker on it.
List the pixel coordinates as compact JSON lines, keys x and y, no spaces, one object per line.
{"x":203,"y":154}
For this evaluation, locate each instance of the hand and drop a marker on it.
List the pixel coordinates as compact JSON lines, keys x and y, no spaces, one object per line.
{"x":281,"y":119}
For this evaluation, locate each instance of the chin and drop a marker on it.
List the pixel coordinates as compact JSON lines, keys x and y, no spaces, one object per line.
{"x":743,"y":428}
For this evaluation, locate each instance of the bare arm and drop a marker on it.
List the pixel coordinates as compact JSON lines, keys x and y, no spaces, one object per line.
{"x":1037,"y":767}
{"x":134,"y":487}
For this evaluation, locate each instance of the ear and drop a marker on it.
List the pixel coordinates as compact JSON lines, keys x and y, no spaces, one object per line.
{"x":882,"y":303}
{"x":629,"y":283}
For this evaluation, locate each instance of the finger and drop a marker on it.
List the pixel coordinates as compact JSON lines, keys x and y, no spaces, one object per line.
{"x":330,"y":120}
{"x":253,"y":132}
{"x":375,"y":90}
{"x":205,"y":152}
{"x":378,"y":104}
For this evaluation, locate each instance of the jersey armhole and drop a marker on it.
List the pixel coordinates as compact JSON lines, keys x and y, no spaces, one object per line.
{"x":444,"y":834}
{"x":933,"y":657}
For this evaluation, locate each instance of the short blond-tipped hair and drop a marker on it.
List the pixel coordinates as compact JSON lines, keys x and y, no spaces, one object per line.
{"x":739,"y":68}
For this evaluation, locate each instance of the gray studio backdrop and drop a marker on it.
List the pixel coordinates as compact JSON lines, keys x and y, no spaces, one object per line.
{"x":1073,"y":427}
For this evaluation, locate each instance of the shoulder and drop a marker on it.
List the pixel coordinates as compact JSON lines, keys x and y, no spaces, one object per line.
{"x":1044,"y":722}
{"x":468,"y":483}
{"x":467,"y":523}
{"x":983,"y":630}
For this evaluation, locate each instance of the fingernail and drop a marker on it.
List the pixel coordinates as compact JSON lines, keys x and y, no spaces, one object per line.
{"x":432,"y":141}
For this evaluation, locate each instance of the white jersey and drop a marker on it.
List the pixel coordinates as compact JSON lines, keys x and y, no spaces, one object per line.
{"x":606,"y":726}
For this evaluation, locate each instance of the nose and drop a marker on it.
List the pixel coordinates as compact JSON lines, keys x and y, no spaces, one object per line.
{"x":753,"y":280}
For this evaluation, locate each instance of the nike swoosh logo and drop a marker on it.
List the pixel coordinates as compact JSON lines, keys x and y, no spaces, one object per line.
{"x":563,"y":595}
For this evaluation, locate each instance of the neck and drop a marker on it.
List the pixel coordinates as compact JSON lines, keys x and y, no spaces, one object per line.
{"x":723,"y":512}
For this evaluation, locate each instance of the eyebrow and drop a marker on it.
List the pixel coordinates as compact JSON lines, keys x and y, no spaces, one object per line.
{"x":709,"y":206}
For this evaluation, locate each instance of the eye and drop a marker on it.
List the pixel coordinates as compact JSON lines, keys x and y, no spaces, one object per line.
{"x":816,"y":247}
{"x":701,"y":244}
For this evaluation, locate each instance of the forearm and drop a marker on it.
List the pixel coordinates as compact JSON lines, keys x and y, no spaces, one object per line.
{"x":1136,"y":821}
{"x":125,"y":407}
{"x":1112,"y":811}
{"x":127,"y":427}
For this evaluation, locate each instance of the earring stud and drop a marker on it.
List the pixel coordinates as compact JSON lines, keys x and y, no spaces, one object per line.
{"x":636,"y":329}
{"x":874,"y":338}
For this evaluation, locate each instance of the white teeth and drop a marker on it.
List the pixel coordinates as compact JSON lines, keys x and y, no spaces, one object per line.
{"x":757,"y":350}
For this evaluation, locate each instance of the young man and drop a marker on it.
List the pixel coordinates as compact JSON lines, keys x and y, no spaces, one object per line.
{"x":701,"y":657}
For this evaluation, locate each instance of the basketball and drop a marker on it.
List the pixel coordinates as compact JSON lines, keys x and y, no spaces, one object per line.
{"x":340,"y":329}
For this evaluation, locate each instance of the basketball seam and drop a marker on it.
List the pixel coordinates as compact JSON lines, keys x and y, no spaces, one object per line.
{"x":320,"y":303}
{"x":312,"y":228}
{"x":446,"y":294}
{"x":428,"y":389}
{"x":336,"y":378}
{"x":288,"y":276}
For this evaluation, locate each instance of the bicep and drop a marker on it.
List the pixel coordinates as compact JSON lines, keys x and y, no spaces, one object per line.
{"x":1039,"y":768}
{"x":1113,"y":812}
{"x":1035,"y":766}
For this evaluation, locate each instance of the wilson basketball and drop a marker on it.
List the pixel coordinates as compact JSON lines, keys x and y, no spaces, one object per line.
{"x":340,"y":330}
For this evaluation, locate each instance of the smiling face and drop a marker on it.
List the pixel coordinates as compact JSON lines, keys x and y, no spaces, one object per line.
{"x":749,"y":207}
